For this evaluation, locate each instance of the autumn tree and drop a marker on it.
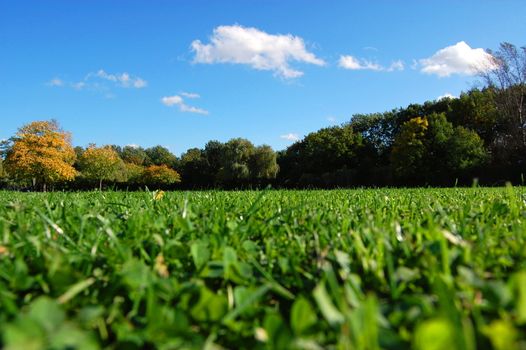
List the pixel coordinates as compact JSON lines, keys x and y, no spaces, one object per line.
{"x":409,"y":149}
{"x":41,"y":152}
{"x":160,"y":175}
{"x":100,"y":163}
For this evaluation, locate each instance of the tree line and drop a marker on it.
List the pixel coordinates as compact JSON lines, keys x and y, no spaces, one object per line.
{"x":40,"y":157}
{"x":479,"y":135}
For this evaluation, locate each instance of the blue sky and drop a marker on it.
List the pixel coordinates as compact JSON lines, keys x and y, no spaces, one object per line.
{"x":180,"y":73}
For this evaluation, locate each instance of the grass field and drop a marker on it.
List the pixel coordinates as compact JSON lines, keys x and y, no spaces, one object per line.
{"x":345,"y":269}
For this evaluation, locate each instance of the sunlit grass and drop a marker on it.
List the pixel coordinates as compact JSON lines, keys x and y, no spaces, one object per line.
{"x":345,"y":269}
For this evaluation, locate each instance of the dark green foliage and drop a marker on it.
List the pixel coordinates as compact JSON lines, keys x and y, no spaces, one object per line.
{"x":213,"y":153}
{"x":465,"y":150}
{"x":262,"y":163}
{"x":159,"y":155}
{"x":383,"y":150}
{"x":477,"y":111}
{"x":360,"y":269}
{"x":431,"y":149}
{"x":134,"y":155}
{"x":317,"y":158}
{"x":235,"y":161}
{"x":194,"y":169}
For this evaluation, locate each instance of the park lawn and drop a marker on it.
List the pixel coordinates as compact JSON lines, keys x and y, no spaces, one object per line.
{"x":276,"y":269}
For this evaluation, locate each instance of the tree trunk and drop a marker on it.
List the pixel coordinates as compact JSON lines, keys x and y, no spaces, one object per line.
{"x":100,"y":185}
{"x":44,"y":187}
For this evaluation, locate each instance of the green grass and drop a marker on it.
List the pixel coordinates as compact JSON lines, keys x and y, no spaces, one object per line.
{"x":345,"y":269}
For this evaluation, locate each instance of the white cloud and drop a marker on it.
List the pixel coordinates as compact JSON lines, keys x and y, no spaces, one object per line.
{"x":133,"y":145}
{"x":190,"y":95}
{"x":446,"y":95}
{"x":250,"y":46}
{"x":139,"y":83}
{"x":396,"y":66}
{"x":172,"y":100}
{"x":331,"y":119}
{"x":290,"y":137}
{"x":457,"y":59}
{"x":353,"y":63}
{"x":55,"y":82}
{"x":123,"y":79}
{"x":98,"y":81}
{"x":78,"y":85}
{"x":177,"y":100}
{"x":191,"y":109}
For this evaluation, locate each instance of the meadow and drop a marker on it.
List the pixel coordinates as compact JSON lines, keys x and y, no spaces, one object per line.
{"x":340,"y":269}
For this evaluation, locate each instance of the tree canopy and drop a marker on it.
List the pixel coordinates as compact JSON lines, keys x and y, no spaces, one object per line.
{"x":41,"y":152}
{"x":100,"y":163}
{"x":159,"y":175}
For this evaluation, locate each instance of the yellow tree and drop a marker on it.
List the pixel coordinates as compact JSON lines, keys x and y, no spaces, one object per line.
{"x":409,"y":148}
{"x":41,"y":152}
{"x":100,"y":163}
{"x":160,"y":175}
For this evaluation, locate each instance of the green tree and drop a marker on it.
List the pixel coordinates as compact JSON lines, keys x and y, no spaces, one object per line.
{"x":436,"y":140}
{"x":465,"y":150}
{"x":476,"y":110}
{"x":194,"y":169}
{"x":135,"y":155}
{"x":377,"y":130}
{"x":262,"y":163}
{"x":430,"y":149}
{"x":323,"y":158}
{"x":235,"y":161}
{"x":159,"y":155}
{"x":130,"y":173}
{"x":330,"y":149}
{"x":100,"y":163}
{"x":213,"y":153}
